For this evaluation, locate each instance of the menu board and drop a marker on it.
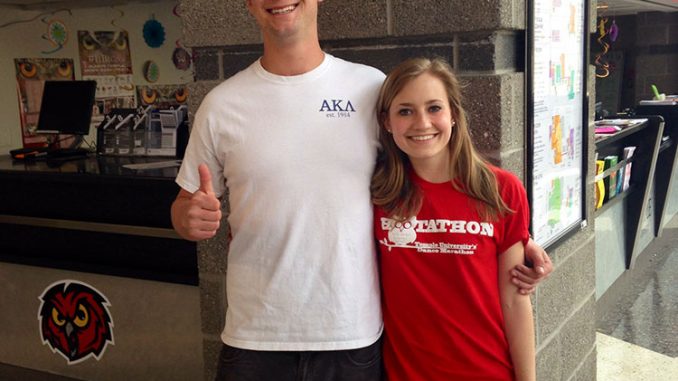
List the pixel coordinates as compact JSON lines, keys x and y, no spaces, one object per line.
{"x":557,"y":115}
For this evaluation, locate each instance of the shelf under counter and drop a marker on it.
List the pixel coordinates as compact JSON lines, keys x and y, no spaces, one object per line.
{"x":616,"y":199}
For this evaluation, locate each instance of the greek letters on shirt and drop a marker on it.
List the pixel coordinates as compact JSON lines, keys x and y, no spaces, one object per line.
{"x":337,"y":108}
{"x":403,"y":234}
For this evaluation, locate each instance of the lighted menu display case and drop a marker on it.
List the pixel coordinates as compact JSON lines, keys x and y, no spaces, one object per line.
{"x":557,"y":116}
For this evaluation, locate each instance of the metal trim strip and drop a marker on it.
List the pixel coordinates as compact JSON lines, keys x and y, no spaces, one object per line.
{"x":98,"y":227}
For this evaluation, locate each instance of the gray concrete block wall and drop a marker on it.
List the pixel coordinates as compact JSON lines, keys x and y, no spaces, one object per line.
{"x":656,"y":53}
{"x":576,"y":347}
{"x":384,"y":55}
{"x":445,"y":16}
{"x":484,"y":41}
{"x":490,"y":51}
{"x":217,"y":23}
{"x":342,"y":19}
{"x":495,"y":108}
{"x":559,"y":299}
{"x":207,"y":64}
{"x":588,"y":368}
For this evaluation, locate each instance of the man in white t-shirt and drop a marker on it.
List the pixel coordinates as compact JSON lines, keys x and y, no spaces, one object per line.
{"x":294,"y":140}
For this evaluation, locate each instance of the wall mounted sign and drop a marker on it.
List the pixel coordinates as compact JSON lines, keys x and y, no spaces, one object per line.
{"x":31,"y":73}
{"x":557,"y":113}
{"x":104,"y":52}
{"x":105,"y":57}
{"x":75,"y":321}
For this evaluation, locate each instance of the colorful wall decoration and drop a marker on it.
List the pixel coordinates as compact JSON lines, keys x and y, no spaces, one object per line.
{"x":31,"y":74}
{"x":75,"y":320}
{"x":162,"y":96}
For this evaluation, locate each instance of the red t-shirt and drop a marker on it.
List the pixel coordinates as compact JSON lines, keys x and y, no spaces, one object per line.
{"x":442,"y":314}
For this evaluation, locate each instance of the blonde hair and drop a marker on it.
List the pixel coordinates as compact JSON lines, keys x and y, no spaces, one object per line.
{"x":392,"y":188}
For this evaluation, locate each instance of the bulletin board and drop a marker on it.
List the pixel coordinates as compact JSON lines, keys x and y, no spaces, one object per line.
{"x":557,"y":117}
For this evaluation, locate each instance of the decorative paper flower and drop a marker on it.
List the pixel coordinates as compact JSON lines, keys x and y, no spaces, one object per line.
{"x":181,"y":58}
{"x":614,"y":31}
{"x":151,"y":71}
{"x":154,"y":33}
{"x":57,"y":33}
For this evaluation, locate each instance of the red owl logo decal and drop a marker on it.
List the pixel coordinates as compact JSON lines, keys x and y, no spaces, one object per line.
{"x":75,"y":321}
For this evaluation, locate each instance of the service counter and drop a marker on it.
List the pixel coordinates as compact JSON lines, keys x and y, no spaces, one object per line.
{"x":665,"y":187}
{"x":624,"y":225}
{"x":96,"y":284}
{"x":627,"y":224}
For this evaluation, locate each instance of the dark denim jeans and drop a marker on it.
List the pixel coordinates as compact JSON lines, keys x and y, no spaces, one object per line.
{"x":363,"y":364}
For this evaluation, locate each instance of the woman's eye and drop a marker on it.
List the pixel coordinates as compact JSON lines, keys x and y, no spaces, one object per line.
{"x":404,"y":112}
{"x":434,"y":108}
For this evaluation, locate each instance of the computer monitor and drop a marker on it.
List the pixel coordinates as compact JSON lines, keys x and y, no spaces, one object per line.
{"x":66,"y":107}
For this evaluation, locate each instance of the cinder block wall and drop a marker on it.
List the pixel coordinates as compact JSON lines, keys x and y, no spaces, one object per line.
{"x":656,"y":53}
{"x":484,"y":41}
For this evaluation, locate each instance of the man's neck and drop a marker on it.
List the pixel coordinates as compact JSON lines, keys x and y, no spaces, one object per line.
{"x":293,"y":58}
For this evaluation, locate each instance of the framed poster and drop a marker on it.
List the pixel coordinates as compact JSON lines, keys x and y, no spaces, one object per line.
{"x":557,"y":117}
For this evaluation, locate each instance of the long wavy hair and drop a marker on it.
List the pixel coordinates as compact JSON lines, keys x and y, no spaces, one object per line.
{"x":392,"y":189}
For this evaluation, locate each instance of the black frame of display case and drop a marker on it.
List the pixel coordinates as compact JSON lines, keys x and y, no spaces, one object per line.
{"x":574,"y":227}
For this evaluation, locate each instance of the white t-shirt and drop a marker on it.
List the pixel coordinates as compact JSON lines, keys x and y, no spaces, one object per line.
{"x":297,"y":153}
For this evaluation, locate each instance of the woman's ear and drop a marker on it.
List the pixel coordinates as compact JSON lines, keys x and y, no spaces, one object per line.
{"x":386,"y":123}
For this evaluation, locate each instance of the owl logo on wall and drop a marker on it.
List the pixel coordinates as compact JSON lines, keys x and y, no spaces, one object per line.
{"x":75,"y":321}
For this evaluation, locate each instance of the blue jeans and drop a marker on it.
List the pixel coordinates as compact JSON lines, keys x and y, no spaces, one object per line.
{"x":362,"y":364}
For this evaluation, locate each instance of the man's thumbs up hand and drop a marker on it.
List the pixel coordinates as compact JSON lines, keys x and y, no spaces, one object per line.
{"x":205,"y":179}
{"x":205,"y":194}
{"x":196,"y":216}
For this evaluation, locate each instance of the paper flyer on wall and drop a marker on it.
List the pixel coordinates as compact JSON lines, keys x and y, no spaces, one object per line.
{"x":105,"y":57}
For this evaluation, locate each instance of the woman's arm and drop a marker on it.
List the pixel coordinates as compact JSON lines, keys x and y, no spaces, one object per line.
{"x":518,"y":324}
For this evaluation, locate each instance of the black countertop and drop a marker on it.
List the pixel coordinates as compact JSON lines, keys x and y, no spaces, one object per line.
{"x":102,"y":166}
{"x":93,"y":215}
{"x":94,"y":189}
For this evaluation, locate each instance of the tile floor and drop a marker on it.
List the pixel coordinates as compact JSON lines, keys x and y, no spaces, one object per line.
{"x":637,"y":336}
{"x":622,"y":361}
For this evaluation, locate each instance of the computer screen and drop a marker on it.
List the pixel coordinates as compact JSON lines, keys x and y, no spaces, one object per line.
{"x":66,"y":107}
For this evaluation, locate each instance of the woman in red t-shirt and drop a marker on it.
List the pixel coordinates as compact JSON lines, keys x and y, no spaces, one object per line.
{"x":450,"y":227}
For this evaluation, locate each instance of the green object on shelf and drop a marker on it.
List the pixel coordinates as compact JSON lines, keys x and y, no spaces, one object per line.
{"x":611,"y":180}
